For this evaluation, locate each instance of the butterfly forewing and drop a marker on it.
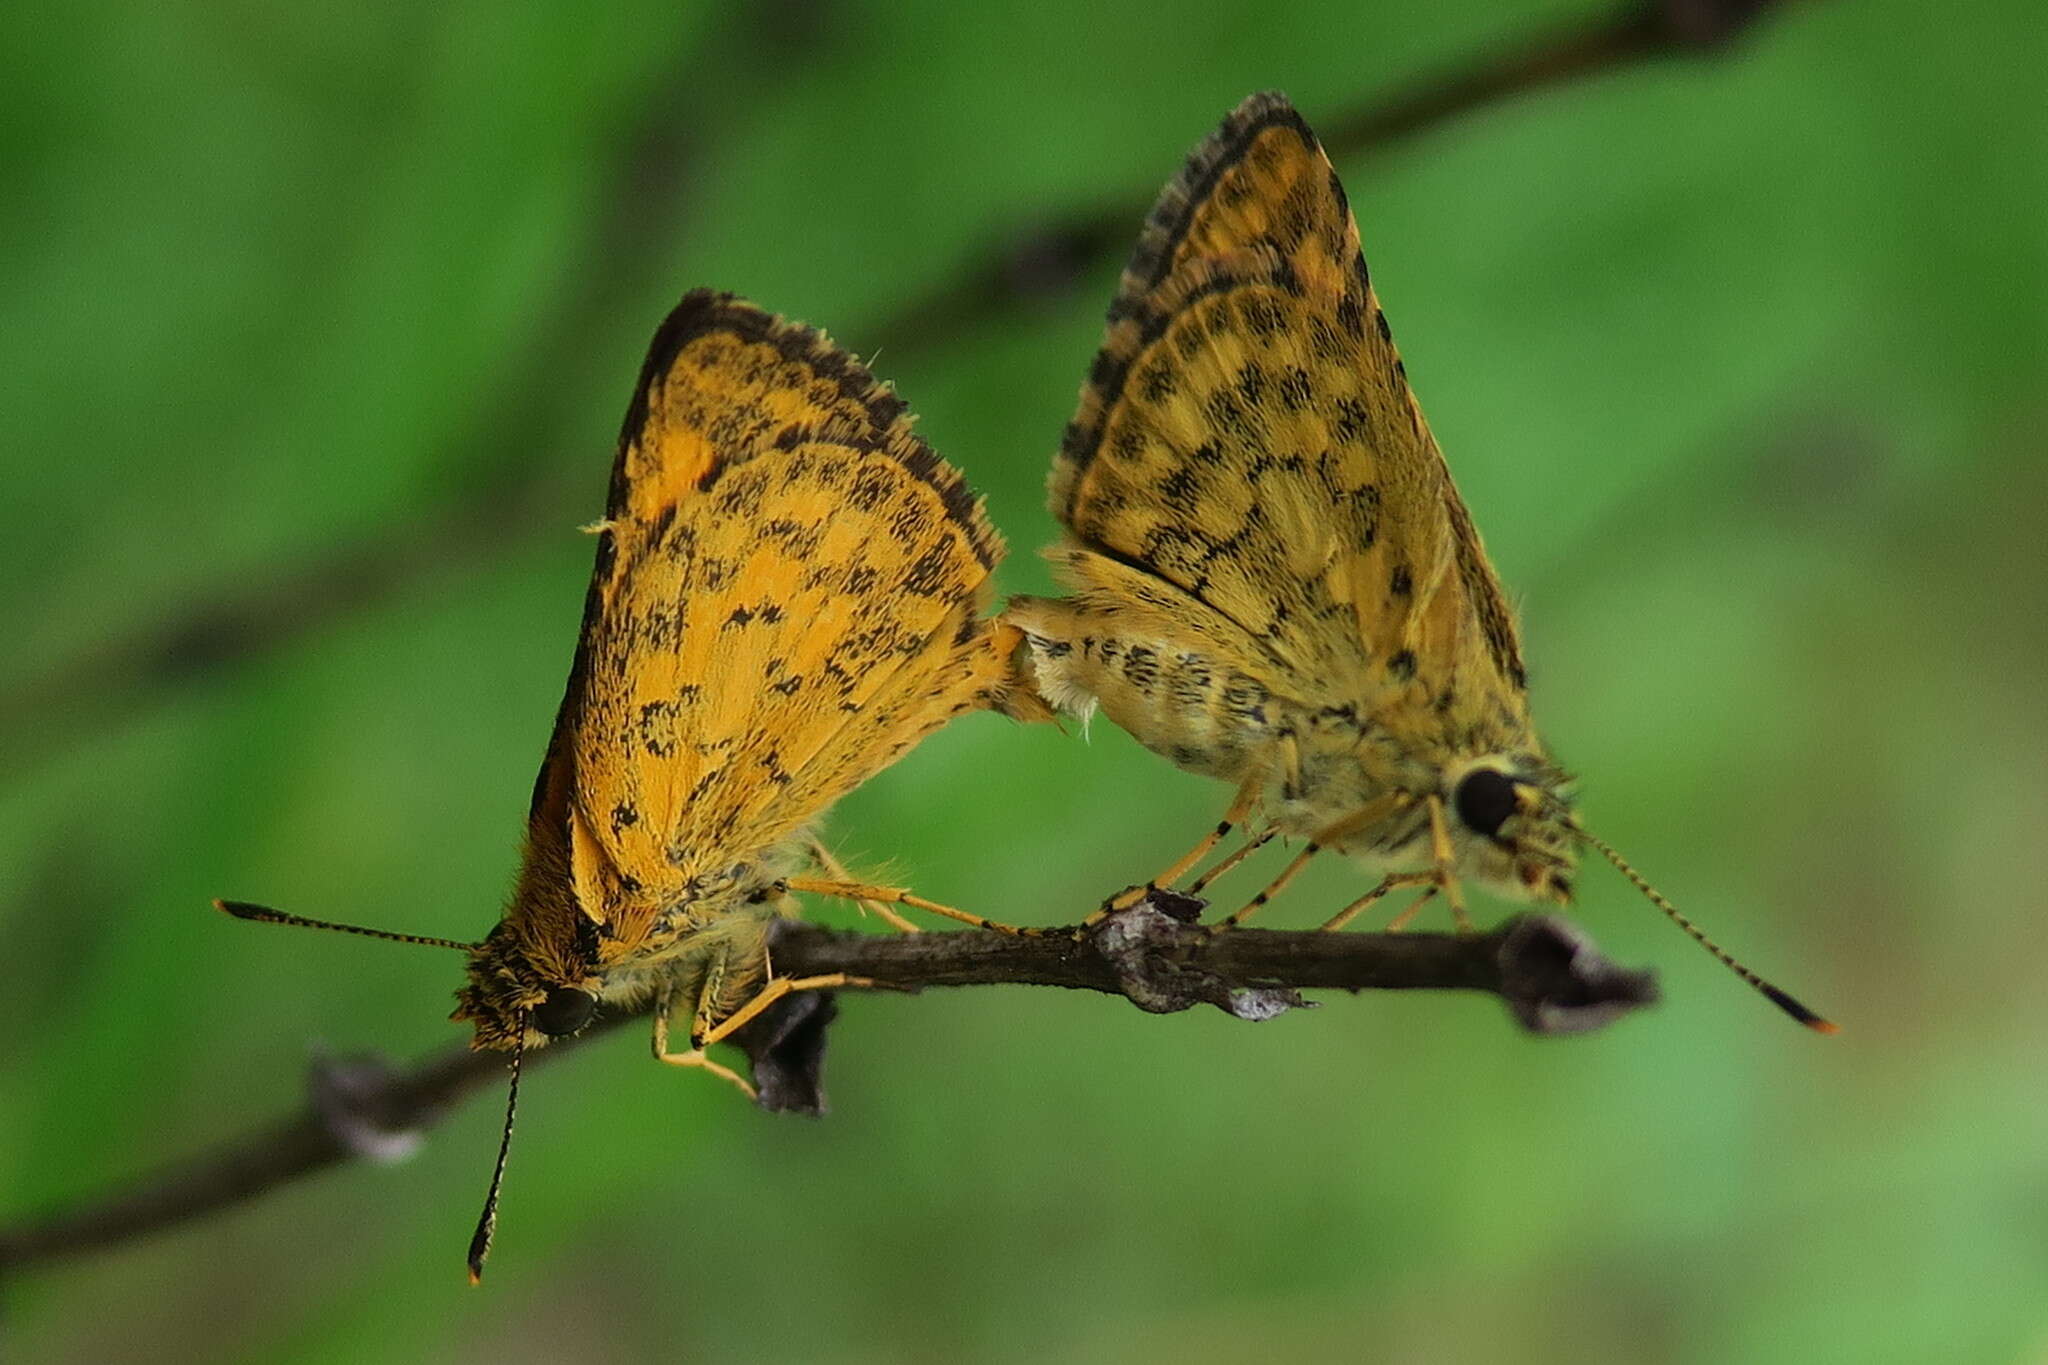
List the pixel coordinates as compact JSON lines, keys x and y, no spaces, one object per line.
{"x":786,"y":600}
{"x":1248,"y":436}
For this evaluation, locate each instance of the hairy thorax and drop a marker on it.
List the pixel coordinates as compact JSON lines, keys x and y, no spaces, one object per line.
{"x":703,"y":952}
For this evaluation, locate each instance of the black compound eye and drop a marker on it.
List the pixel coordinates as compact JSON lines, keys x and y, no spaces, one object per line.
{"x":564,"y":1011}
{"x":1486,"y":798}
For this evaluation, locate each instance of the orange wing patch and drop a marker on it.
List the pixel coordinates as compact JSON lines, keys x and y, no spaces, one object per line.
{"x":1248,"y":438}
{"x":787,"y":598}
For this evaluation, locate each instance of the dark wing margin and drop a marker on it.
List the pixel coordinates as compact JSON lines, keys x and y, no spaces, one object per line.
{"x":1257,"y":196}
{"x":1482,"y":589}
{"x":1188,"y":193}
{"x":872,"y":403}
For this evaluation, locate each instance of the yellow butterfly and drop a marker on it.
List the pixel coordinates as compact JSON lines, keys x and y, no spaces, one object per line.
{"x":787,"y":597}
{"x":1275,"y":582}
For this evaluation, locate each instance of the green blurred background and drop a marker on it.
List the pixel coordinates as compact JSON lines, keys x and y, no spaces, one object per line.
{"x":1739,"y":361}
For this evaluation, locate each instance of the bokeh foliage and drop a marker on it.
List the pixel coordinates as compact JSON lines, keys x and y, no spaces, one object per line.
{"x":1739,"y":363}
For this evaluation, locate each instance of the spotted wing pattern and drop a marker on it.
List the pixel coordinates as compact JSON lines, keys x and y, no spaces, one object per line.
{"x":787,"y":598}
{"x":1250,"y":485}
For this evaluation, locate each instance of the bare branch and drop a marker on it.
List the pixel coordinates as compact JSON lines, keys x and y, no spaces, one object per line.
{"x":1547,"y":972}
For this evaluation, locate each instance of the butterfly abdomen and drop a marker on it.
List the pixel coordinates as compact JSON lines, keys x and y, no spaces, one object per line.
{"x":1193,"y":708}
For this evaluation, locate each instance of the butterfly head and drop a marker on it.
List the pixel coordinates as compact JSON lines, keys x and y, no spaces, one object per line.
{"x":1511,"y":823}
{"x":510,"y":996}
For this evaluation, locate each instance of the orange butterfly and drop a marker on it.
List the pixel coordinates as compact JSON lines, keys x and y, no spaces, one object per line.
{"x":1275,"y":582}
{"x":787,"y":597}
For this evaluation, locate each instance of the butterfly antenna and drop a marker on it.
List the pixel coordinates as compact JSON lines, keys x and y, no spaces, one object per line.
{"x":480,"y":1240}
{"x":263,"y":914}
{"x":1764,"y":988}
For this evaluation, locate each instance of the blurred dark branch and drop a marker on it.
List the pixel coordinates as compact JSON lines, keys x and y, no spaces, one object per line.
{"x":1545,"y":970}
{"x":507,"y":483}
{"x":510,"y":493}
{"x":1047,"y":260}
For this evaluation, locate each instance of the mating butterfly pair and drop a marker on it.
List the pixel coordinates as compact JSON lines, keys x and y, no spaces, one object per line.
{"x":1273,"y":582}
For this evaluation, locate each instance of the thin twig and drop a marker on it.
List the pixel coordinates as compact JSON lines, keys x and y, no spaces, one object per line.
{"x":1546,"y":971}
{"x":508,"y":504}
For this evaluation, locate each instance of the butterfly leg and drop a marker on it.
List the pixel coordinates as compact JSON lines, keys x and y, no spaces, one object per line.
{"x":1363,"y":818}
{"x":837,"y":871}
{"x":1244,"y":850}
{"x":1391,"y":883}
{"x":896,"y":895}
{"x":1273,"y":888}
{"x":1240,"y":806}
{"x":695,"y":1056}
{"x":1440,"y":849}
{"x":1402,"y":920}
{"x":768,"y":995}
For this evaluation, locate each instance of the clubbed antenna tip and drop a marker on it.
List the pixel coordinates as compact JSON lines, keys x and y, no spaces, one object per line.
{"x":480,"y":1240}
{"x":1799,"y":1011}
{"x":1656,"y":898}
